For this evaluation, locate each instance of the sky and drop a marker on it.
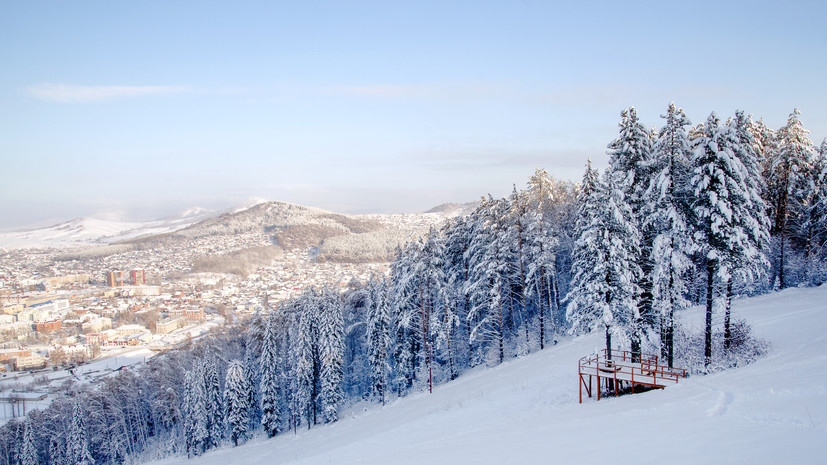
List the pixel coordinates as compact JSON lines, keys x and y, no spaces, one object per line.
{"x":136,"y":110}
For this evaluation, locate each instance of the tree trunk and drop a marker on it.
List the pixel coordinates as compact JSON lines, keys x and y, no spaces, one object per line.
{"x":781,"y":280}
{"x":710,"y":276}
{"x":540,"y":311}
{"x":727,"y":327}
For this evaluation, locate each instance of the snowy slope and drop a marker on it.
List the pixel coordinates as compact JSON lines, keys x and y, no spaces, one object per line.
{"x":96,"y":231}
{"x":526,"y":410}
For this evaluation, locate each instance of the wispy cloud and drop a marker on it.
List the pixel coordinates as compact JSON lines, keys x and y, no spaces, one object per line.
{"x":70,"y":93}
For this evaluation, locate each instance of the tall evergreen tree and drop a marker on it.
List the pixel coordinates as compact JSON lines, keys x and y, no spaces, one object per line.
{"x":719,"y":200}
{"x":604,"y":288}
{"x":214,"y":403}
{"x":270,"y":416}
{"x":672,"y":247}
{"x":28,"y":451}
{"x":630,"y":165}
{"x":790,"y":162}
{"x":331,"y":353}
{"x":236,"y":399}
{"x":378,"y":337}
{"x":77,"y":441}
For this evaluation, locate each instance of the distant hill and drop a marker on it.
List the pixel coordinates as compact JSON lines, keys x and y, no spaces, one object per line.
{"x":335,"y":237}
{"x":90,"y":231}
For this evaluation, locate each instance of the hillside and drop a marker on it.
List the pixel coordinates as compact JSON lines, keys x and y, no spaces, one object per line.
{"x":526,"y":410}
{"x":336,"y":237}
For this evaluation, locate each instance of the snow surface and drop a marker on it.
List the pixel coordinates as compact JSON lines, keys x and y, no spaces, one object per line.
{"x":526,"y":410}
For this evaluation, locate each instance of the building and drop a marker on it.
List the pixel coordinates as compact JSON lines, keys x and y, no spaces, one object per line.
{"x":29,"y":362}
{"x":9,"y":354}
{"x":169,"y":325}
{"x":115,"y":278}
{"x":48,"y":326}
{"x":96,"y":325}
{"x":138,"y":277}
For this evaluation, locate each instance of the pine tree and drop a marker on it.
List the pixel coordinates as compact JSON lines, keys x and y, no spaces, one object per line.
{"x":331,"y":349}
{"x":748,"y":259}
{"x":236,"y":399}
{"x":28,"y":452}
{"x":214,"y":403}
{"x":196,"y":429}
{"x":719,"y":200}
{"x":604,"y":288}
{"x":630,"y":165}
{"x":271,"y":414}
{"x":378,"y":337}
{"x":304,"y":362}
{"x":667,"y":216}
{"x":488,"y":278}
{"x":77,"y":443}
{"x":791,"y":160}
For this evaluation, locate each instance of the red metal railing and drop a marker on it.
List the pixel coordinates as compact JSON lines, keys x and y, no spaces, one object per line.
{"x":617,"y":365}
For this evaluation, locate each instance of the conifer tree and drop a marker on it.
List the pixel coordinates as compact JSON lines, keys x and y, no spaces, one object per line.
{"x":28,"y":451}
{"x":331,"y":349}
{"x":787,"y":167}
{"x":77,"y":441}
{"x":270,"y":411}
{"x":667,"y":216}
{"x":214,"y":403}
{"x":236,"y":399}
{"x":630,"y":165}
{"x":719,"y":199}
{"x":605,"y":262}
{"x":378,"y":337}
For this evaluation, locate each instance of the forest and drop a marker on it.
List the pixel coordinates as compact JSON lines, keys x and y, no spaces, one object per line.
{"x":683,"y":215}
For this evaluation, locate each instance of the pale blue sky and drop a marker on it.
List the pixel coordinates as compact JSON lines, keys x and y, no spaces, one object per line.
{"x":145,"y":108}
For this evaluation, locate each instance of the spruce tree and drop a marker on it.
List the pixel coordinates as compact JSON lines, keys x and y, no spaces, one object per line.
{"x":236,"y":399}
{"x":28,"y":452}
{"x":604,"y":287}
{"x":719,"y":198}
{"x":270,"y":411}
{"x":787,"y":167}
{"x":630,"y":165}
{"x":378,"y":337}
{"x":666,"y":215}
{"x":331,"y":354}
{"x":77,"y":442}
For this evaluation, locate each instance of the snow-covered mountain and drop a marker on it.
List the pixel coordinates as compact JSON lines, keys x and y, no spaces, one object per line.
{"x":370,"y":236}
{"x":526,"y":410}
{"x":97,"y":231}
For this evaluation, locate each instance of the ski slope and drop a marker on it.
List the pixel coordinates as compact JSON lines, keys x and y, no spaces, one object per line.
{"x":526,"y":410}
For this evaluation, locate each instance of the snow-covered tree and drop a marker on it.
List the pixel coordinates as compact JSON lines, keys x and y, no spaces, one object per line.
{"x":604,"y":289}
{"x":331,"y":352}
{"x":378,"y":337}
{"x":720,"y":201}
{"x":77,"y":442}
{"x":789,"y":164}
{"x":236,"y":400}
{"x":196,"y":422}
{"x":672,"y":247}
{"x":214,"y":403}
{"x":270,"y":411}
{"x":630,"y":165}
{"x":28,"y":451}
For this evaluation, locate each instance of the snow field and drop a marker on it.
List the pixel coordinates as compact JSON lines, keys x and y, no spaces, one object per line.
{"x":526,"y":410}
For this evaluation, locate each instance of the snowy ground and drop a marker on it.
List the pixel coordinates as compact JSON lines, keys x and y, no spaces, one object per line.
{"x":526,"y":410}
